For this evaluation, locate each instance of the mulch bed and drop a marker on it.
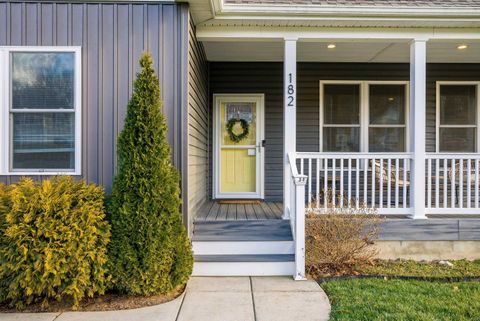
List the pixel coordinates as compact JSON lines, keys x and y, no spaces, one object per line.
{"x":106,"y":302}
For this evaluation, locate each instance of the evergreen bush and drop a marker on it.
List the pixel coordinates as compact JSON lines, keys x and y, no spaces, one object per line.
{"x":150,"y":252}
{"x":53,"y":241}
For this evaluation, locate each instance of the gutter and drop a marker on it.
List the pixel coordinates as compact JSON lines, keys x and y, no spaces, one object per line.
{"x":222,"y":9}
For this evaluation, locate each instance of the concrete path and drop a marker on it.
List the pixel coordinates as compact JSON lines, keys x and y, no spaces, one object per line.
{"x":218,"y":298}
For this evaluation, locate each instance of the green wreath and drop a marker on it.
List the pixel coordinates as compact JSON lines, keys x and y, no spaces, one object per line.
{"x":234,"y":137}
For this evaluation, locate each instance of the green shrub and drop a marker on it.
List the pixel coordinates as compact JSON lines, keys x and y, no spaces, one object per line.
{"x":53,"y":241}
{"x":150,"y":252}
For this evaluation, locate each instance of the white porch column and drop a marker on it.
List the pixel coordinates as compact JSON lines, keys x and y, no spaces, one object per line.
{"x":289,"y":117}
{"x":418,"y":66}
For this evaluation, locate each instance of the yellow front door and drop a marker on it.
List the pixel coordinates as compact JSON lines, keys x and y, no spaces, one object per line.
{"x":238,"y":152}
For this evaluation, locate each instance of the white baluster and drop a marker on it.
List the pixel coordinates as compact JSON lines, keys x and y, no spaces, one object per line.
{"x":453,"y":184}
{"x":437,"y":183}
{"x":460,"y":184}
{"x":373,"y":182}
{"x":365,"y":181}
{"x":469,"y":182}
{"x":477,"y":173}
{"x":349,"y":182}
{"x":397,"y":173}
{"x":317,"y":190}
{"x":406,"y":163}
{"x":341,"y":182}
{"x":309,"y":183}
{"x":429,"y":183}
{"x":389,"y":179}
{"x":325,"y":183}
{"x":357,"y":183}
{"x":445,"y":183}
{"x":381,"y":181}
{"x":333,"y":181}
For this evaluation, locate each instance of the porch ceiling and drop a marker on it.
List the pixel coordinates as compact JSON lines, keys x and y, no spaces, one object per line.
{"x":396,"y":52}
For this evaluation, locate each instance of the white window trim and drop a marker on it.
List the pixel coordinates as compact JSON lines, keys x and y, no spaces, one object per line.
{"x":437,"y":115}
{"x":5,"y":166}
{"x":365,"y":109}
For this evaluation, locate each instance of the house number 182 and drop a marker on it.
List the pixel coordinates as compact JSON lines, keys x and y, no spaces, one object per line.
{"x":290,"y":92}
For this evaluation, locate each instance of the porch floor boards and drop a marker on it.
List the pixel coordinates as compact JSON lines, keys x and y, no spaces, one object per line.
{"x":214,"y":211}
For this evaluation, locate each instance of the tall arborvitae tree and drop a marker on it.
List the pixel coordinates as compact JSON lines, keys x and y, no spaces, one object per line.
{"x":150,"y":251}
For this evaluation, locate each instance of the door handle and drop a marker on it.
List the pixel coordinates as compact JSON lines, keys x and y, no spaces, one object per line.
{"x":259,"y":146}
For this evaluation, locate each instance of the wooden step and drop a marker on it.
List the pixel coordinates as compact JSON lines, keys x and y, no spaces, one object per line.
{"x":266,"y":230}
{"x":244,"y":265}
{"x":246,"y":258}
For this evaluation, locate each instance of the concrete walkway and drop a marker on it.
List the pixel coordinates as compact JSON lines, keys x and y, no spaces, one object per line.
{"x":218,"y":298}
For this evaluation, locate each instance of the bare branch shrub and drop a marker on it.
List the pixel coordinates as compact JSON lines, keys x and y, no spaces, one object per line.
{"x":339,"y":237}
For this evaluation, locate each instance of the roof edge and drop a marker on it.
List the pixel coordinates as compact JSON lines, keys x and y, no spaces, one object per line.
{"x":223,"y":9}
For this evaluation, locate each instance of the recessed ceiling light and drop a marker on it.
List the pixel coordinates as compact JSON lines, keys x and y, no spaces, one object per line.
{"x":462,"y":47}
{"x":391,"y":98}
{"x":332,"y":46}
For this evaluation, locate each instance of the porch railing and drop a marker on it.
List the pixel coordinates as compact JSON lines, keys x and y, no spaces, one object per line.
{"x":375,"y":180}
{"x":452,"y":184}
{"x":296,"y":213}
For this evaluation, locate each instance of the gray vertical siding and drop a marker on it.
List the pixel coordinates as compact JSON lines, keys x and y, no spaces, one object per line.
{"x":267,"y":78}
{"x":198,"y":125}
{"x":112,"y":37}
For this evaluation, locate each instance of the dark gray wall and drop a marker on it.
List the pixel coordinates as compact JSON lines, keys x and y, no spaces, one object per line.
{"x":267,"y":78}
{"x":112,"y":37}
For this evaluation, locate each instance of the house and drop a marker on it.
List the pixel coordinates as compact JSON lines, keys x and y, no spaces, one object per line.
{"x":269,"y":104}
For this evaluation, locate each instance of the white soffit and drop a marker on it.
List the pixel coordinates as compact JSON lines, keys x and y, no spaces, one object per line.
{"x":437,"y":51}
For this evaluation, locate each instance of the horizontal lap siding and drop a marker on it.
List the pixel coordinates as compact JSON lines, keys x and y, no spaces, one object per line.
{"x":267,"y":78}
{"x":198,"y":125}
{"x":112,"y":37}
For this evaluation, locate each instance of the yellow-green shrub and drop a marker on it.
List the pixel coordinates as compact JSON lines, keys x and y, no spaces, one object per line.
{"x":53,"y":239}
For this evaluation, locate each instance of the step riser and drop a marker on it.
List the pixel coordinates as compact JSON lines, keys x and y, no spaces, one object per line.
{"x":232,"y":248}
{"x":243,"y":268}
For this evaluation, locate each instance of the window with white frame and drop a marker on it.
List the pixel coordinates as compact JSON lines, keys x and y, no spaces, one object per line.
{"x":41,"y":109}
{"x":363,"y":116}
{"x":458,"y":110}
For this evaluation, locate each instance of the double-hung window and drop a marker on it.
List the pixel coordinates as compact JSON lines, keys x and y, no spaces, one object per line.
{"x":363,"y":116}
{"x":40,"y":110}
{"x":458,"y":109}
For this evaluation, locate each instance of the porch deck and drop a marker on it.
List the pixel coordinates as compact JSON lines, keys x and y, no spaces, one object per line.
{"x":239,"y":211}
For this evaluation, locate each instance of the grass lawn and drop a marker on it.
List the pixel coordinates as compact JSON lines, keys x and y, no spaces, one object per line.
{"x":378,"y":299}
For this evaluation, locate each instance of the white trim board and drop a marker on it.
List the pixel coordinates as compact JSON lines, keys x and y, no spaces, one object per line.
{"x":259,"y":99}
{"x":368,"y":34}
